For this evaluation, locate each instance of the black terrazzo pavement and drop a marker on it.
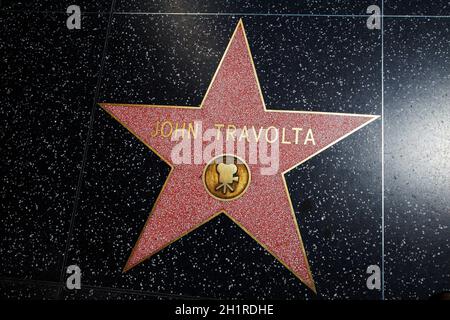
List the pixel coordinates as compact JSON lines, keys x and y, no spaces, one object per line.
{"x":77,"y":187}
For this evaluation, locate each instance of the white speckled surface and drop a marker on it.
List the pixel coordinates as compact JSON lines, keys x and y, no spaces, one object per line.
{"x":51,"y":218}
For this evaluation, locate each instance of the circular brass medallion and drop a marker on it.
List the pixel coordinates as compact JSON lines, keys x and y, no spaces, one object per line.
{"x":226,"y":177}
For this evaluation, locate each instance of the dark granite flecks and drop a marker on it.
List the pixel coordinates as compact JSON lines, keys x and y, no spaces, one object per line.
{"x":22,"y":290}
{"x":163,"y":59}
{"x":417,"y":7}
{"x":105,"y":294}
{"x":329,"y":7}
{"x":48,"y":80}
{"x":337,"y":199}
{"x":56,"y":5}
{"x":417,"y":153}
{"x":317,"y":64}
{"x":312,"y":63}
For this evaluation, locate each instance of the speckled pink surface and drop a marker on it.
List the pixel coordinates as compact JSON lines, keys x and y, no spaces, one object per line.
{"x":264,"y":211}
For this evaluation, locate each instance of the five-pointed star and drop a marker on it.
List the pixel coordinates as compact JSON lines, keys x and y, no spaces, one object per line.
{"x":265,"y":211}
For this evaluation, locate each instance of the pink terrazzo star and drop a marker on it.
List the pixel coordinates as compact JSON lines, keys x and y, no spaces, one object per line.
{"x":264,"y":211}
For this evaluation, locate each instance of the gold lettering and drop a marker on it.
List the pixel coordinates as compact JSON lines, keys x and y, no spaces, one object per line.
{"x":163,"y":129}
{"x":244,"y":134}
{"x":257,"y":136}
{"x":182,"y":129}
{"x":192,"y":131}
{"x":231,"y":130}
{"x":166,"y":128}
{"x":154,"y":134}
{"x":283,"y":137}
{"x":297,"y":131}
{"x":219,"y":127}
{"x":309,"y":137}
{"x":267,"y":134}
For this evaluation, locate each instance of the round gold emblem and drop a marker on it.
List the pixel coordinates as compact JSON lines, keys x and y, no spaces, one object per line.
{"x":226,"y":177}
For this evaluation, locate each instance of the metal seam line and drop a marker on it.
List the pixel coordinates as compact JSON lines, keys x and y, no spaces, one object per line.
{"x":234,"y":14}
{"x":382,"y":150}
{"x":86,"y":147}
